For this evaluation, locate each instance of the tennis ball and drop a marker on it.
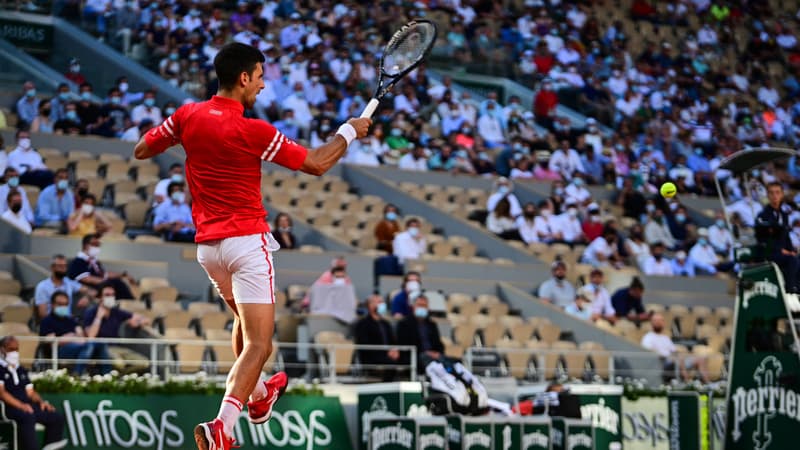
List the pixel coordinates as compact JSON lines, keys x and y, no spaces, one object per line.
{"x":668,"y":190}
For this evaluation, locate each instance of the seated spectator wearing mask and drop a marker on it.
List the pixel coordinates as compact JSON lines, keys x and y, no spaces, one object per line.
{"x":173,"y":217}
{"x":569,"y":225}
{"x":11,"y":184}
{"x":401,"y":303}
{"x":283,"y":232}
{"x":387,"y":228}
{"x":106,"y":320}
{"x":580,"y":308}
{"x":87,"y":220}
{"x":13,"y":214}
{"x":627,"y":302}
{"x":557,"y":289}
{"x":546,"y":225}
{"x":704,"y":258}
{"x":24,"y":405}
{"x":29,"y":163}
{"x":599,"y":296}
{"x":682,"y":266}
{"x":657,"y":263}
{"x":60,"y":323}
{"x":504,"y":188}
{"x":87,"y":269}
{"x":526,"y":224}
{"x":409,"y":244}
{"x":59,"y":281}
{"x":592,"y":226}
{"x":175,"y":175}
{"x":500,"y":222}
{"x":419,"y":330}
{"x":336,"y":298}
{"x":374,"y":329}
{"x":603,"y":250}
{"x":55,"y":203}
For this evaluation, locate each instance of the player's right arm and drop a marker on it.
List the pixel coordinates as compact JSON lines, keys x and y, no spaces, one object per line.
{"x":321,"y":159}
{"x":160,"y":138}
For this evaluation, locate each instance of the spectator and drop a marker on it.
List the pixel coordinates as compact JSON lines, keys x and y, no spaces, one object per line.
{"x":56,"y":203}
{"x":779,"y":244}
{"x":80,"y":191}
{"x":135,"y":132}
{"x":87,"y":269}
{"x":42,"y":123}
{"x":28,"y":104}
{"x":58,"y":281}
{"x":576,"y":191}
{"x":603,"y":250}
{"x":592,"y":225}
{"x":635,"y":246}
{"x":13,"y":214}
{"x":28,"y":163}
{"x":335,"y":297}
{"x":703,"y":257}
{"x":283,"y":232}
{"x":87,"y":220}
{"x":70,"y":123}
{"x":175,"y":175}
{"x":24,"y":405}
{"x":500,"y":222}
{"x":419,"y":330}
{"x":490,"y":128}
{"x":374,"y":329}
{"x":546,"y":226}
{"x":301,"y":109}
{"x":106,"y":320}
{"x":557,"y":289}
{"x":566,"y":161}
{"x":504,"y":188}
{"x":173,"y":218}
{"x":657,"y":230}
{"x":409,"y":244}
{"x":87,"y":109}
{"x":580,"y":307}
{"x":11,"y":184}
{"x":147,"y":109}
{"x":600,"y":298}
{"x":658,"y":341}
{"x":288,"y":125}
{"x":114,"y":118}
{"x":59,"y":102}
{"x":526,"y":224}
{"x":569,"y":224}
{"x":544,"y":105}
{"x":719,"y":236}
{"x":74,"y":73}
{"x":631,"y":200}
{"x":627,"y":302}
{"x":414,"y":159}
{"x":412,"y":287}
{"x":747,"y":209}
{"x":387,"y":228}
{"x":657,"y":263}
{"x":59,"y":322}
{"x":680,"y":225}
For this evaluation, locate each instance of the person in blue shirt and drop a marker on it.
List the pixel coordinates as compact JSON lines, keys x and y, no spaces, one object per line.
{"x":61,"y":323}
{"x":627,"y":302}
{"x":173,"y":218}
{"x":56,"y":202}
{"x":59,"y":281}
{"x":24,"y":405}
{"x":682,"y":266}
{"x":400,"y":306}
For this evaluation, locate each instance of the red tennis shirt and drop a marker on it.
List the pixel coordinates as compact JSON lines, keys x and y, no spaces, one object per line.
{"x":224,"y":151}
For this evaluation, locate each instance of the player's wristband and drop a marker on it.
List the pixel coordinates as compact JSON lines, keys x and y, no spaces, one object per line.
{"x":347,"y":132}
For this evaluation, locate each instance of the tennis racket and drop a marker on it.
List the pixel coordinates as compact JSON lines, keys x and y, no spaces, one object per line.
{"x":405,"y":51}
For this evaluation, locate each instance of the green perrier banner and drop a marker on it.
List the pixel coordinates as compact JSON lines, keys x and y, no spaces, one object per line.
{"x":574,"y":434}
{"x":392,"y":433}
{"x":523,"y":433}
{"x":379,"y":400}
{"x":431,"y":433}
{"x":602,"y":404}
{"x":102,"y":421}
{"x":763,"y":405}
{"x":688,"y":421}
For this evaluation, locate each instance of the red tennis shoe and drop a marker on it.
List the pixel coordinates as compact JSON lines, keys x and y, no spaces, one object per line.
{"x":211,"y":436}
{"x":261,"y":410}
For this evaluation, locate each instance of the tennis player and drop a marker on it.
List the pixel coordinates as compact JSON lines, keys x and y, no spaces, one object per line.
{"x":224,"y":152}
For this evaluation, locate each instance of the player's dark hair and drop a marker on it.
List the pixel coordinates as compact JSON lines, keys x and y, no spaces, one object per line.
{"x":232,"y":60}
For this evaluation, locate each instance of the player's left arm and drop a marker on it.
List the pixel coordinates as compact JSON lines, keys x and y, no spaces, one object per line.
{"x":160,"y":138}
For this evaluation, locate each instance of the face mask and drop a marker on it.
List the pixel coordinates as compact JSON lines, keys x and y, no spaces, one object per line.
{"x":123,"y":87}
{"x":116,"y":100}
{"x":720,"y":223}
{"x":93,"y":251}
{"x":86,"y":95}
{"x":150,"y":102}
{"x":413,"y":231}
{"x":503,"y":190}
{"x":72,"y":115}
{"x":572,"y":212}
{"x":87,"y":209}
{"x":396,"y":132}
{"x":650,"y":207}
{"x":412,"y":286}
{"x":12,"y":358}
{"x":680,"y":218}
{"x":30,"y":92}
{"x":702,"y":241}
{"x":578,"y":182}
{"x":673,"y":206}
{"x":178,"y":197}
{"x":546,"y":213}
{"x":13,"y":182}
{"x":381,"y":309}
{"x":339,"y":281}
{"x":15,"y":208}
{"x":75,"y":68}
{"x":62,"y":185}
{"x":24,"y":143}
{"x":594,"y":218}
{"x":109,"y":301}
{"x":559,"y":191}
{"x":170,"y":111}
{"x":176,"y":178}
{"x":391,"y":215}
{"x":173,"y":57}
{"x":284,"y":229}
{"x":61,"y":311}
{"x":64,"y":96}
{"x":59,"y":274}
{"x":421,"y":312}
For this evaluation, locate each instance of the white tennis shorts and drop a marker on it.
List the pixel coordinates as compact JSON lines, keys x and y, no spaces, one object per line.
{"x":240,"y":268}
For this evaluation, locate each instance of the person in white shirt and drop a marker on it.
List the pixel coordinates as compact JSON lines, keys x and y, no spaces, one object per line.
{"x":747,"y":209}
{"x":557,"y":289}
{"x":340,"y":67}
{"x":28,"y":162}
{"x":657,"y":230}
{"x":657,"y":263}
{"x":702,"y":254}
{"x":599,"y":296}
{"x":526,"y":222}
{"x":602,"y":250}
{"x":14,"y":215}
{"x":302,"y":110}
{"x":407,"y":101}
{"x":707,"y":36}
{"x":315,"y":91}
{"x":500,"y":222}
{"x":490,"y":129}
{"x":545,"y":226}
{"x":147,"y":110}
{"x":719,"y":236}
{"x":618,"y":83}
{"x":767,"y":94}
{"x":504,"y":188}
{"x":659,"y":342}
{"x":576,"y":191}
{"x":568,"y":55}
{"x":570,"y":225}
{"x":11,"y":184}
{"x":364,"y":152}
{"x":414,"y":160}
{"x":409,"y":244}
{"x":175,"y":175}
{"x":580,"y":308}
{"x":566,"y":161}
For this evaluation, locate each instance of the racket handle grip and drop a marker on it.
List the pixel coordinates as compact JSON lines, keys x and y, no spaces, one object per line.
{"x":369,"y":110}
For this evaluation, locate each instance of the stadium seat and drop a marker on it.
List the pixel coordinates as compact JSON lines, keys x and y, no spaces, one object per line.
{"x":601,"y":363}
{"x":522,"y":332}
{"x":136,"y":213}
{"x":548,"y":332}
{"x":15,"y":328}
{"x":177,"y":319}
{"x":518,"y":361}
{"x":190,"y":357}
{"x":179,"y":334}
{"x":465,"y":334}
{"x":216,"y":320}
{"x":12,"y":287}
{"x":17,"y":312}
{"x":162,"y":294}
{"x":199,"y":309}
{"x":492,"y":333}
{"x":79,"y":155}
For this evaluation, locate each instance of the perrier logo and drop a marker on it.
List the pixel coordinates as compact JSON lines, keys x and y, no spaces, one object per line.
{"x":765,"y":288}
{"x":764,"y":403}
{"x":392,"y":435}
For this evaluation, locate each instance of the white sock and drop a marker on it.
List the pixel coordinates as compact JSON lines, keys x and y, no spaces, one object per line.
{"x":259,"y":392}
{"x":229,"y":412}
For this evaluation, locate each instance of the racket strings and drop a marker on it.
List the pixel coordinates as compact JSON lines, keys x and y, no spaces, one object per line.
{"x":408,"y":47}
